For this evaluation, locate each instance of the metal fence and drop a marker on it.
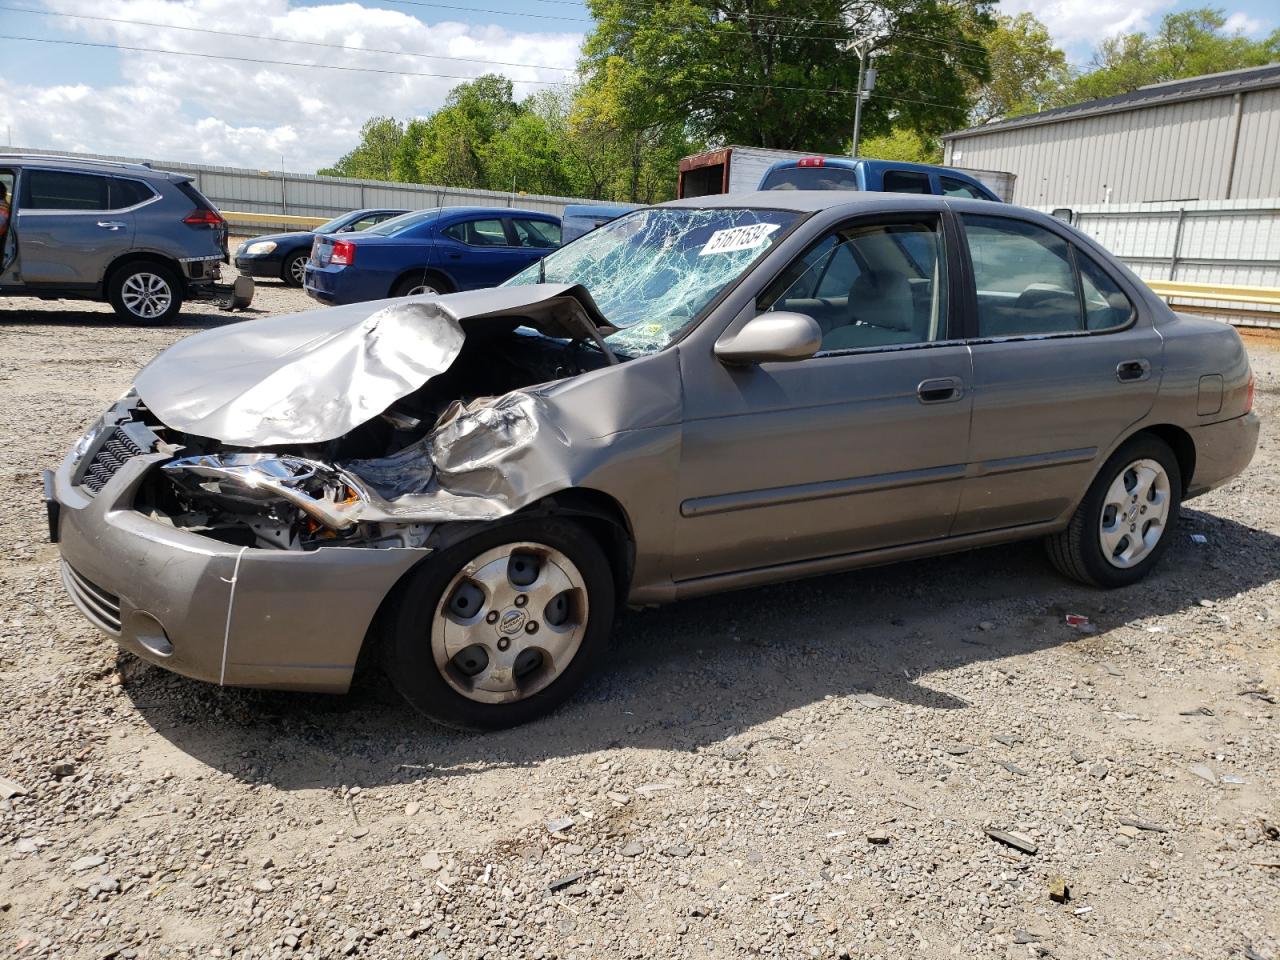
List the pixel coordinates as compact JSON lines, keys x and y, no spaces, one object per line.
{"x":301,"y":194}
{"x":1198,"y":241}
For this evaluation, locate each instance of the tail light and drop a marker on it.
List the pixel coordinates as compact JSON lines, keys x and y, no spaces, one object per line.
{"x":1248,"y":394}
{"x":812,"y":162}
{"x":204,"y":217}
{"x":344,"y":253}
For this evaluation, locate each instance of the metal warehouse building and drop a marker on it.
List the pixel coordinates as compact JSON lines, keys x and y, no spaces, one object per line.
{"x":1215,"y":137}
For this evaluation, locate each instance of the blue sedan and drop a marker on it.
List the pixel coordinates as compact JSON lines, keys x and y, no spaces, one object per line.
{"x":430,"y":251}
{"x":284,"y":255}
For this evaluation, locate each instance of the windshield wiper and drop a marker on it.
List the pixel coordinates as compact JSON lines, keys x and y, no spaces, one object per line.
{"x":542,"y":270}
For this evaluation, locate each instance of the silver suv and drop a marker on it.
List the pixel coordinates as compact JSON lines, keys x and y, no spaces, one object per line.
{"x":142,"y":239}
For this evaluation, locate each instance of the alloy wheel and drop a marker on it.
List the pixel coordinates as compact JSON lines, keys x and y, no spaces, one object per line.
{"x":1135,"y":512}
{"x":509,"y":622}
{"x":298,"y":270}
{"x":146,"y":295}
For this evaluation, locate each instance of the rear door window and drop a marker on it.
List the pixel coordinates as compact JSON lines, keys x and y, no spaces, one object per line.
{"x":60,"y":190}
{"x":906,"y":181}
{"x":1105,"y":305}
{"x":536,"y":233}
{"x":479,"y":233}
{"x":1025,"y":278}
{"x":951,"y":187}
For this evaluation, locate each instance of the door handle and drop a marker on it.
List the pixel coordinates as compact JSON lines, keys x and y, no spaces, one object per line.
{"x":941,"y":390}
{"x":112,"y":224}
{"x":1129,"y":371}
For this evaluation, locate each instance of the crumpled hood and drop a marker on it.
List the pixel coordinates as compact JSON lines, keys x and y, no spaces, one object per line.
{"x":315,"y":376}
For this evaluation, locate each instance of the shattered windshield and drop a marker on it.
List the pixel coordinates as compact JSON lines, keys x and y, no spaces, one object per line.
{"x":653,"y":271}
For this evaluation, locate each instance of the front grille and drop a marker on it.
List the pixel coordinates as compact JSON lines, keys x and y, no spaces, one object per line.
{"x":101,"y":607}
{"x":110,"y":457}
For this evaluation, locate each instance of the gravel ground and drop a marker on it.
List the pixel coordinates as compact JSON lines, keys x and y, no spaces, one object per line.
{"x":806,"y":770}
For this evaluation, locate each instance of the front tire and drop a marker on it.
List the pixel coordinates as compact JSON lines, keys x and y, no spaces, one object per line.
{"x":502,"y":627}
{"x":145,"y":292}
{"x":1122,"y":527}
{"x":294,"y":270}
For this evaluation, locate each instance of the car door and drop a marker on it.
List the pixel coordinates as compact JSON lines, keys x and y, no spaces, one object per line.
{"x":67,"y":227}
{"x":534,"y":239}
{"x":859,"y":447}
{"x":9,"y":271}
{"x":1062,"y":365}
{"x":478,"y":253}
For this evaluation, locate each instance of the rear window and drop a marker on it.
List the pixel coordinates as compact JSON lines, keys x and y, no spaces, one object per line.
{"x":406,"y":221}
{"x":58,"y":190}
{"x":811,"y":178}
{"x":195,"y":196}
{"x":906,"y":181}
{"x":951,"y":187}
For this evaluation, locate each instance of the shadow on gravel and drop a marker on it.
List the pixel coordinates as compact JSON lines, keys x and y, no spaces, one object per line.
{"x":690,"y":675}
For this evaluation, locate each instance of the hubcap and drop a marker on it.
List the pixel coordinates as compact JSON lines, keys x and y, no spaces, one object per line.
{"x":509,"y":622}
{"x":146,"y":295}
{"x":298,"y":270}
{"x":422,"y":288}
{"x":1134,"y":513}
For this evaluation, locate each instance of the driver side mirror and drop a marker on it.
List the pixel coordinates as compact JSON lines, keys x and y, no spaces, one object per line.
{"x":771,"y":337}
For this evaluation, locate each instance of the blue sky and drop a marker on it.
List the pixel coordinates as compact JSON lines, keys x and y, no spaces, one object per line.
{"x":163,"y":106}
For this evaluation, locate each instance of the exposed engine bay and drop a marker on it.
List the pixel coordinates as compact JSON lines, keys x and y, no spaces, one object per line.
{"x":449,"y":449}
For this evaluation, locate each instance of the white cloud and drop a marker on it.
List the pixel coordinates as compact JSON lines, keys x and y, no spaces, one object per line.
{"x":1080,"y":24}
{"x":247,"y":114}
{"x":1243,"y":23}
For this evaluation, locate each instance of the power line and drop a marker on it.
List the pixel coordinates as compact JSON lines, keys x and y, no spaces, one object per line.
{"x":308,"y":43}
{"x":380,"y":70}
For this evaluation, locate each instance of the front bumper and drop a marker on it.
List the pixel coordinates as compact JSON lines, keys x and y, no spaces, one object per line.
{"x":1223,"y":451}
{"x":239,"y":616}
{"x":267,"y":267}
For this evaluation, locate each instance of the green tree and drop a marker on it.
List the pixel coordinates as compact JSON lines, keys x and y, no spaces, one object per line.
{"x":375,"y":157}
{"x":1028,"y":73}
{"x":900,"y":144}
{"x":1186,"y":44}
{"x":780,"y":73}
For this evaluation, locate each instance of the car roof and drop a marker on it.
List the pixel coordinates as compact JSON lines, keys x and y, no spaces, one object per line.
{"x":493,"y":212}
{"x":812,"y":201}
{"x":854,"y":202}
{"x":53,"y":161}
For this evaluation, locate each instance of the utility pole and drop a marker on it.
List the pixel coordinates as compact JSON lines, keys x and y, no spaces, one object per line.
{"x":866,"y":83}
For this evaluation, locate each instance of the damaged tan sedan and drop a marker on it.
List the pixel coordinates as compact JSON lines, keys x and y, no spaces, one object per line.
{"x":712,"y":394}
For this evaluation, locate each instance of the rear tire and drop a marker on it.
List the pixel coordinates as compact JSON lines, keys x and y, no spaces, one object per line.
{"x":1122,"y":527}
{"x":145,"y":292}
{"x":429,"y":284}
{"x":295,"y":265}
{"x":502,"y":627}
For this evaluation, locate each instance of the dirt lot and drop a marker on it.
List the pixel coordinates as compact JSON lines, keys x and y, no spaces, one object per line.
{"x":800,"y":771}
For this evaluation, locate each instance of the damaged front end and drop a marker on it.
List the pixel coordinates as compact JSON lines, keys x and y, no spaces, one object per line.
{"x":367,"y":428}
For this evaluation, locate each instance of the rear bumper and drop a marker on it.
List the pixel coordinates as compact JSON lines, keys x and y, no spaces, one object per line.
{"x":1223,"y":451}
{"x":335,"y":285}
{"x":239,"y":616}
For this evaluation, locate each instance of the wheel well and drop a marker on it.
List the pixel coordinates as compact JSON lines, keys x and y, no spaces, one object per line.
{"x":1183,"y":447}
{"x":129,"y":258}
{"x":423,"y":273}
{"x":604,"y":517}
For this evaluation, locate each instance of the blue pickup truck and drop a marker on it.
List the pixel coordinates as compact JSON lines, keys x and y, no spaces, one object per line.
{"x":890,"y":176}
{"x":740,"y":169}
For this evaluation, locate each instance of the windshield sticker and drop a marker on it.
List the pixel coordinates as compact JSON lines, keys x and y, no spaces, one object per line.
{"x":746,"y":237}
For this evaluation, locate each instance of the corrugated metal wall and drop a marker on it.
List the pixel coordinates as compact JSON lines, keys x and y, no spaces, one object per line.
{"x":300,"y":194}
{"x":1176,"y":151}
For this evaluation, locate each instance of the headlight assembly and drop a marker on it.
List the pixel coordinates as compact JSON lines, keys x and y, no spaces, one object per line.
{"x":260,"y":249}
{"x":324,"y":494}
